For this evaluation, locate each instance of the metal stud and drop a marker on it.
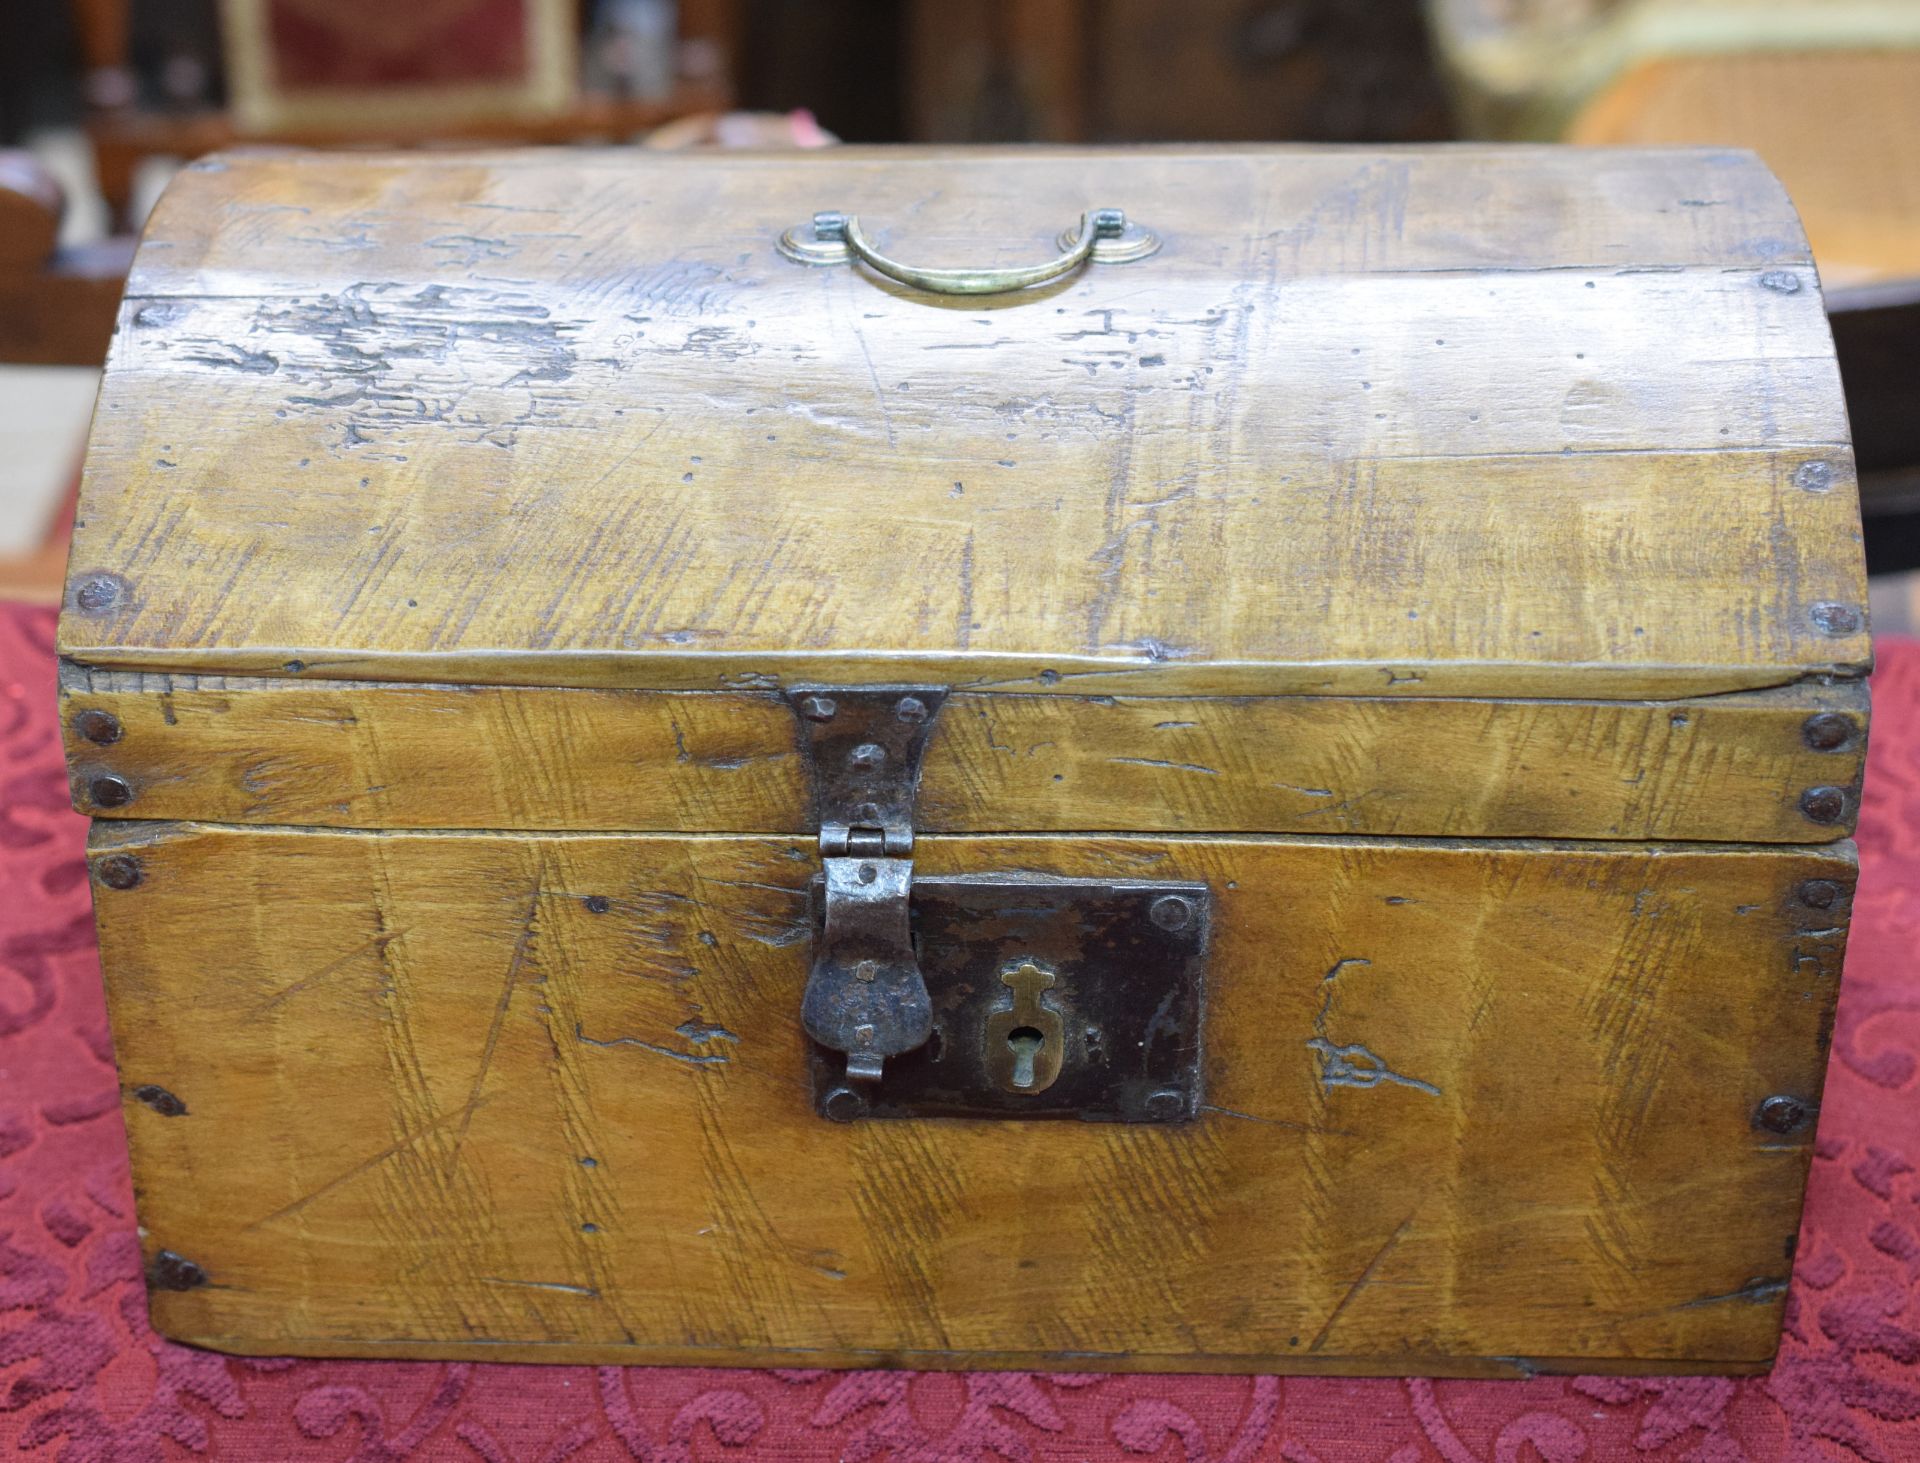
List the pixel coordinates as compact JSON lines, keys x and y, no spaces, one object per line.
{"x":1823,"y":804}
{"x":1813,"y":477}
{"x":1166,"y":1104}
{"x":1783,"y":1115}
{"x":119,"y":871}
{"x":175,"y":1272}
{"x":110,"y":790}
{"x":102,"y":728}
{"x":1831,"y":618}
{"x":97,"y":592}
{"x":1827,"y":731}
{"x":1171,"y":913}
{"x":843,"y":1105}
{"x":1819,"y":893}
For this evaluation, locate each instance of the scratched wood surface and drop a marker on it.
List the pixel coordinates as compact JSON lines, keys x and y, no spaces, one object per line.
{"x":1461,"y":421}
{"x":1469,"y":1107}
{"x":241,"y":750}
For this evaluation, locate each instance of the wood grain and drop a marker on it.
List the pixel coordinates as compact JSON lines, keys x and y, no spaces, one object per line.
{"x":1452,"y":422}
{"x":424,"y":1099}
{"x":373,"y":755}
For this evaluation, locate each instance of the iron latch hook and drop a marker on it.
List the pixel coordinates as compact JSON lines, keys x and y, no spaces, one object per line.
{"x":865,"y":994}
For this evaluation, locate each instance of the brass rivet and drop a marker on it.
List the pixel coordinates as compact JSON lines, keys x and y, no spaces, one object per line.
{"x":99,"y":727}
{"x":119,"y":871}
{"x":110,"y":790}
{"x":1823,"y":804}
{"x":1827,"y":731}
{"x":1782,"y":1115}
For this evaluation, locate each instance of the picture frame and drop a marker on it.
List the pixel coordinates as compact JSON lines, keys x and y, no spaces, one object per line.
{"x":360,"y":65}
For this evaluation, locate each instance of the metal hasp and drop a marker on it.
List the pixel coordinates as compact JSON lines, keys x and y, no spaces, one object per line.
{"x":865,"y":995}
{"x":1052,"y":998}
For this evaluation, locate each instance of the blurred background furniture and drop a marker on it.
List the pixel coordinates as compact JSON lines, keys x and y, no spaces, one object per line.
{"x":1824,"y":90}
{"x":57,"y":306}
{"x":322,"y":73}
{"x":1151,"y":70}
{"x":56,"y":303}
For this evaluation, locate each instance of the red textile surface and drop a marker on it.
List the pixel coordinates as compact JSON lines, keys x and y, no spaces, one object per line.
{"x":83,"y":1380}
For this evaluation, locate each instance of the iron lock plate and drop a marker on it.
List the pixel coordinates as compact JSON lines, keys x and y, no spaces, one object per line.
{"x":1051,"y":998}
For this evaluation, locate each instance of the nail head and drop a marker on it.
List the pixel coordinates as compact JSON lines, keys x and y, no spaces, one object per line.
{"x":1166,"y":1104}
{"x":843,"y":1105}
{"x":1171,"y":913}
{"x":175,"y":1272}
{"x":1813,"y":477}
{"x":99,"y":727}
{"x":119,"y":871}
{"x":1823,"y":804}
{"x":1819,"y":893}
{"x":1782,"y":1115}
{"x":110,"y":790}
{"x":1832,"y":618}
{"x":1827,"y":731}
{"x":97,"y":592}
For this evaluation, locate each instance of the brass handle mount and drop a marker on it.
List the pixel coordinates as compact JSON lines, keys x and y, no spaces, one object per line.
{"x":1102,"y":237}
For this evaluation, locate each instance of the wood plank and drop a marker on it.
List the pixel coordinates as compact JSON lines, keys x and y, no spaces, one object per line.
{"x":370,"y":755}
{"x":1477,"y":422}
{"x":425,"y":1092}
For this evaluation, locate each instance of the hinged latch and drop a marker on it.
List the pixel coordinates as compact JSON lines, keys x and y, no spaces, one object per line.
{"x":865,"y":994}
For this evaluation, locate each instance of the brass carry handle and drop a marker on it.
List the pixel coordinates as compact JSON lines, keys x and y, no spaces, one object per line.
{"x":1102,"y":237}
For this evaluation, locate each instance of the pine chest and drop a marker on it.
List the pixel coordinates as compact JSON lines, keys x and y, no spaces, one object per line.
{"x":1241,"y":764}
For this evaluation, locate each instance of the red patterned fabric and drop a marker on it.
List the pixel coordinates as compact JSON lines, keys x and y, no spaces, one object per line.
{"x":83,"y":1380}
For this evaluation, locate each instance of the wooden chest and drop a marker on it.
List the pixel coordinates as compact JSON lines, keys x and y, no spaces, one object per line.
{"x":1273,"y":800}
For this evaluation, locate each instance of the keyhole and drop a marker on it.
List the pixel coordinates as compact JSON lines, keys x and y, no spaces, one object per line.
{"x":1025,"y":1042}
